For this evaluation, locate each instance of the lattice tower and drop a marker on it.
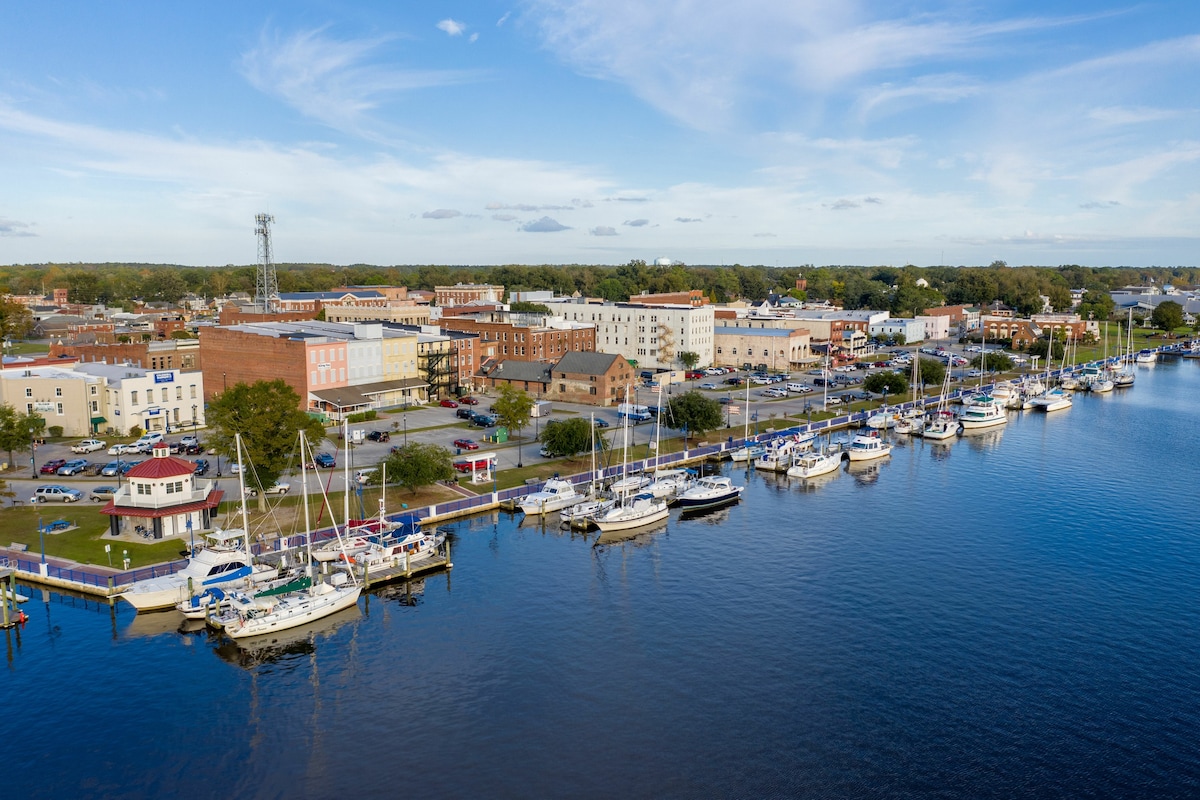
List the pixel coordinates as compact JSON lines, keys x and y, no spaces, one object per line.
{"x":266,"y":285}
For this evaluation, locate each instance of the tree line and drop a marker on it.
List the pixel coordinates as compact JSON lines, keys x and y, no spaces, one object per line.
{"x":904,"y":291}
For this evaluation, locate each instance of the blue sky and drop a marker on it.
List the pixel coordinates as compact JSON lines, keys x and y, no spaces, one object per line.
{"x":548,"y":131}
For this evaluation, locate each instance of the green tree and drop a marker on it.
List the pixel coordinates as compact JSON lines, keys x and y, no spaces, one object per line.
{"x":992,"y":362}
{"x":17,"y":430}
{"x":268,"y":416}
{"x":512,"y":409}
{"x":529,"y":308}
{"x":16,"y":321}
{"x":415,"y":465}
{"x":567,"y":437}
{"x":1051,"y":347}
{"x":1167,"y":316}
{"x":695,"y":413}
{"x":933,"y":372}
{"x":689,"y":359}
{"x":886,"y":382}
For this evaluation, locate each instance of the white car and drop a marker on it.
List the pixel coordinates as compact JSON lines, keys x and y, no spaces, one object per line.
{"x":88,"y":446}
{"x":278,"y":488}
{"x":123,"y":449}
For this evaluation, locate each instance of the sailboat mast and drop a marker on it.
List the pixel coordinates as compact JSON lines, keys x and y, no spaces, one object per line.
{"x":237,"y":443}
{"x":304,"y":499}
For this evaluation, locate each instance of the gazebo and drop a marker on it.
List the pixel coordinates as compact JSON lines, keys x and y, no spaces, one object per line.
{"x":166,"y":491}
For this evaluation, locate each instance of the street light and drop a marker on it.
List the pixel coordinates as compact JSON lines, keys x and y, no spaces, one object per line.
{"x":193,"y":419}
{"x":33,"y":454}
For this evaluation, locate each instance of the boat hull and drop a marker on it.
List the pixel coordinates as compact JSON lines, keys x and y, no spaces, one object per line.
{"x":696,"y":503}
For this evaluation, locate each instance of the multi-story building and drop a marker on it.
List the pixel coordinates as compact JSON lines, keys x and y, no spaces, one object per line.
{"x":406,"y":312}
{"x":336,"y":368}
{"x":181,"y":354}
{"x":653,"y":336}
{"x":153,"y":400}
{"x":315,"y":301}
{"x":692,"y":297}
{"x":598,"y":379}
{"x":460,"y":294}
{"x":912,"y":330}
{"x":937,"y":326}
{"x":778,"y":348}
{"x":540,"y":340}
{"x":61,"y":395}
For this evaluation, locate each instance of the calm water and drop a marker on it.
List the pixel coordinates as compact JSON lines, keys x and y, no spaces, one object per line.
{"x":1014,"y":614}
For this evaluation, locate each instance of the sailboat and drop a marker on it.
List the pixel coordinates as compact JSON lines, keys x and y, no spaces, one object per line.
{"x":816,"y":462}
{"x":631,"y":511}
{"x":1122,"y":375}
{"x":912,"y":420}
{"x":983,"y":411}
{"x":749,"y":450}
{"x":665,"y":483}
{"x":257,"y":615}
{"x":1095,"y":378}
{"x":1054,"y":398}
{"x":582,"y":513}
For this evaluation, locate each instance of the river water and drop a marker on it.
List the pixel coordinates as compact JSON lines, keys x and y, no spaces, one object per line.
{"x":1011,"y":614}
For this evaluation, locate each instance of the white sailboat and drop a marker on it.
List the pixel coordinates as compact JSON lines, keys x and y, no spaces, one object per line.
{"x":257,"y":615}
{"x":749,"y":450}
{"x":631,"y":511}
{"x":983,"y":411}
{"x":582,"y":513}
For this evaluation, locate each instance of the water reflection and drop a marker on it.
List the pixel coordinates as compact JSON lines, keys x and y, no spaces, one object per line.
{"x":815,"y":483}
{"x":637,"y":537}
{"x":985,"y":439}
{"x":154,"y":623}
{"x":708,"y":516}
{"x":866,"y":472}
{"x":286,"y":647}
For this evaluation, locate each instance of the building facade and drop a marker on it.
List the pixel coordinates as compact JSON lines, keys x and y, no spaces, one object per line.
{"x":653,"y":336}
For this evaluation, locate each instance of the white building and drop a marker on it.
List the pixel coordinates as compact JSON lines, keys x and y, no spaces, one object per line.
{"x":913,"y":330}
{"x":653,"y":336}
{"x":937,"y":327}
{"x":154,"y":400}
{"x":63,"y":396}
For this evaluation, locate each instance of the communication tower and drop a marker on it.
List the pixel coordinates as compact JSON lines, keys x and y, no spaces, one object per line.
{"x":266,"y":285}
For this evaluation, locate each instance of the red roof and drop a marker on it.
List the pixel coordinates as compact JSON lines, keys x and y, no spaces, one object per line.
{"x":212,"y":501}
{"x":168,"y":467}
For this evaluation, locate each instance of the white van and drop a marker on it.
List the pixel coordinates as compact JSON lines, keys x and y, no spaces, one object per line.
{"x":364,"y":475}
{"x":799,"y":387}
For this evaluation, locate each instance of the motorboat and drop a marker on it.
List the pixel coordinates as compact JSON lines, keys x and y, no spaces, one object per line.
{"x":639,"y":510}
{"x":583,"y":515}
{"x":1052,"y":400}
{"x":810,"y":465}
{"x":982,"y":412}
{"x":1146,"y":357}
{"x":224,"y":561}
{"x":411,"y":547}
{"x":667,"y":483}
{"x":747,"y":452}
{"x":883,"y":419}
{"x":707,"y":492}
{"x":866,"y":447}
{"x":555,"y":494}
{"x":781,"y":450}
{"x":940,"y":425}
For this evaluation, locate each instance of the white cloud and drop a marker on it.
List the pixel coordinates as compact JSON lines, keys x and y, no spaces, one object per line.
{"x":544,"y":225}
{"x":442,"y":213}
{"x":1136,"y":115}
{"x":452,"y":27}
{"x":504,"y":217}
{"x":603,"y":230}
{"x":473,"y":38}
{"x":11,"y":227}
{"x":636,"y":223}
{"x":333,"y":80}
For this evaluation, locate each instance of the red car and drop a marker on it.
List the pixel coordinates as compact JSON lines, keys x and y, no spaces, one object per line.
{"x":465,"y":444}
{"x":449,"y":404}
{"x":694,"y":375}
{"x":467,"y":466}
{"x":468,"y":401}
{"x":51,"y":467}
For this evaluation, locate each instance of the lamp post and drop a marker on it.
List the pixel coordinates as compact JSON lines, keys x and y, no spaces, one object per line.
{"x":42,"y":538}
{"x":33,"y":455}
{"x":193,"y":419}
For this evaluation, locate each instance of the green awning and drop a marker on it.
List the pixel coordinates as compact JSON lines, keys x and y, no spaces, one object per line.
{"x":98,"y":420}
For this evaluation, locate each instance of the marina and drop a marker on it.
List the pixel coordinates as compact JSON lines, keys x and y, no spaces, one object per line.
{"x":1047,"y":633}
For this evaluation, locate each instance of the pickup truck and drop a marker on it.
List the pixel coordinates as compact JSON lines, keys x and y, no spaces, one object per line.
{"x":88,"y":446}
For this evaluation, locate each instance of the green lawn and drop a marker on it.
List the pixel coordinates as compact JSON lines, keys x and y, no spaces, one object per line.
{"x":85,"y":543}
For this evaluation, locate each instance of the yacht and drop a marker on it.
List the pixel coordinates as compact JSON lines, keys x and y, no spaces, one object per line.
{"x":223,"y":562}
{"x":883,"y":419}
{"x":940,"y":425}
{"x":813,"y":464}
{"x":641,"y":509}
{"x":747,"y":452}
{"x":707,"y":492}
{"x":667,"y":483}
{"x":780,"y":452}
{"x":554,"y":495}
{"x":865,"y":447}
{"x":1147,"y":357}
{"x":982,"y":412}
{"x":255,"y":616}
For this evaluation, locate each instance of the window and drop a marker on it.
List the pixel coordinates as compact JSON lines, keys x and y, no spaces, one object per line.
{"x":178,"y":392}
{"x":562,"y":387}
{"x":142,"y":488}
{"x":58,"y":391}
{"x":133,"y":398}
{"x":95,"y":407}
{"x":28,"y":392}
{"x":591,"y":390}
{"x":60,"y":409}
{"x":93,"y":388}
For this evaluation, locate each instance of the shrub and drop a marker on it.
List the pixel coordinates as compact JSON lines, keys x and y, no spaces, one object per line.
{"x":363,"y":416}
{"x":56,"y":431}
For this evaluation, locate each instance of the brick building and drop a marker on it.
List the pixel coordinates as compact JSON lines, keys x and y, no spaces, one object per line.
{"x":693,"y":297}
{"x":181,"y":354}
{"x":527,"y":342}
{"x":597,"y":379}
{"x":462,"y":293}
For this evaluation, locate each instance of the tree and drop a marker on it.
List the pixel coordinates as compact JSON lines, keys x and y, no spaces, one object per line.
{"x":992,"y":362}
{"x":1167,"y":316}
{"x":1048,"y":347}
{"x":512,"y":409}
{"x":17,"y":430}
{"x":899,"y":339}
{"x":268,"y":416}
{"x":886,"y":382}
{"x":567,"y":437}
{"x":529,"y":308}
{"x":415,"y":465}
{"x":695,"y":413}
{"x":16,"y":321}
{"x":689,"y":359}
{"x":933,"y":372}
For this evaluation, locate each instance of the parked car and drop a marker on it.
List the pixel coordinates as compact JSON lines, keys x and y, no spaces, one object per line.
{"x":600,"y":423}
{"x":464,"y":412}
{"x":833,"y":401}
{"x":734,"y":381}
{"x":122,"y":449}
{"x":694,"y":375}
{"x":56,"y":493}
{"x":465,"y":444}
{"x":324,"y":460}
{"x":468,"y":401}
{"x":51,"y":466}
{"x":448,"y":403}
{"x":88,"y":446}
{"x":708,"y":386}
{"x":114,"y":468}
{"x":483,"y":420}
{"x":190,"y":439}
{"x":194,"y":449}
{"x":379,"y":436}
{"x":73,"y":467}
{"x":102,"y":494}
{"x":201,"y":466}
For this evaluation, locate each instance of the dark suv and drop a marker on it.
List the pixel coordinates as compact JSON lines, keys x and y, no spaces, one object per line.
{"x":464,"y":412}
{"x":379,"y":436}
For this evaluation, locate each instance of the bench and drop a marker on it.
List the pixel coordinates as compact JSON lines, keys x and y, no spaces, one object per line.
{"x":20,"y":548}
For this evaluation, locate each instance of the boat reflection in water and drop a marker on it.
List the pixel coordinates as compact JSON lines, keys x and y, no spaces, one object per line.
{"x":866,"y":472}
{"x":983,"y":439}
{"x":638,"y":537}
{"x":291,"y":645}
{"x":939,"y":449}
{"x":155,"y":623}
{"x":815,"y":483}
{"x":407,"y":593}
{"x":713,"y":515}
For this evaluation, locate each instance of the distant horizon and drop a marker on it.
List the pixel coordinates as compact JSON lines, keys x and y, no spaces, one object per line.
{"x":600,"y":131}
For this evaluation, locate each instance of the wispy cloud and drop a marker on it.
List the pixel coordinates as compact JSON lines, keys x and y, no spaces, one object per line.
{"x":688,"y":219}
{"x":636,"y":223}
{"x":11,"y":227}
{"x":335,"y":81}
{"x":603,"y":230}
{"x":442,"y":213}
{"x":452,"y":27}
